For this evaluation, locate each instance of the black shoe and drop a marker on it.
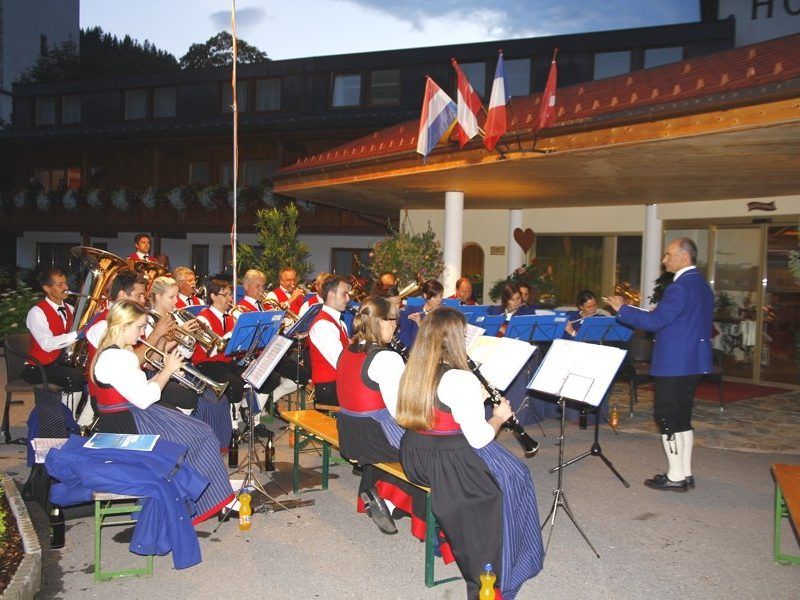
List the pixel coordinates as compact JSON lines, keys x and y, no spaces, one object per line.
{"x":377,"y":509}
{"x":690,"y":481}
{"x":262,"y":431}
{"x":662,"y":482}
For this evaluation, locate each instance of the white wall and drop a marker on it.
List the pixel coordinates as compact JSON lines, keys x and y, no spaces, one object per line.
{"x":759,"y":20}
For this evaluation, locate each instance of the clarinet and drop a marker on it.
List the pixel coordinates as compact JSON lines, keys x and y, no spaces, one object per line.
{"x":397,"y":345}
{"x":529,"y":445}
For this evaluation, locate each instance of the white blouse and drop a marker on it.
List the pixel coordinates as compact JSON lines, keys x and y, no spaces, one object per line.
{"x":386,"y":369}
{"x":463,"y":394}
{"x":120,"y":369}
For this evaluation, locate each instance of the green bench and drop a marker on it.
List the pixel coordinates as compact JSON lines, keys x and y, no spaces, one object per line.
{"x":314,"y":425}
{"x":787,"y":506}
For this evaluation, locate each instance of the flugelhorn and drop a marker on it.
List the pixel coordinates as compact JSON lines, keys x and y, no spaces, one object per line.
{"x":188,"y":376}
{"x":275,"y":305}
{"x":180,"y":334}
{"x":203,"y":335}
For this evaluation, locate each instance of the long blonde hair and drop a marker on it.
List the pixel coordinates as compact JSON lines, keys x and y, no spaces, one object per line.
{"x":367,"y":323}
{"x":440,"y":341}
{"x":119,"y":316}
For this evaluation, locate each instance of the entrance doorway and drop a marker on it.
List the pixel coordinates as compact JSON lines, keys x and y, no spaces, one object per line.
{"x":472,"y":267}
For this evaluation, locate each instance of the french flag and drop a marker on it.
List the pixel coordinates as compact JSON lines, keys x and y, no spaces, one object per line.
{"x":496,"y":125}
{"x":469,"y":105}
{"x":438,"y":116}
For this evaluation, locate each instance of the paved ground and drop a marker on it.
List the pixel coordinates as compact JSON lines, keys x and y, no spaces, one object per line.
{"x":713,"y":542}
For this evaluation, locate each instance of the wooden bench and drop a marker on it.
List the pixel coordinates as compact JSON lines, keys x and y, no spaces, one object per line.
{"x":106,"y":505}
{"x":312,"y":424}
{"x":787,"y":505}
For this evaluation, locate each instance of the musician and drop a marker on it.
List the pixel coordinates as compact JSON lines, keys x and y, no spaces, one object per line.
{"x":316,"y":298}
{"x":187,"y":282}
{"x":464,"y":292}
{"x":128,"y":403}
{"x":482,"y":495}
{"x":327,"y":338}
{"x":410,"y":318}
{"x":141,"y":244}
{"x":288,"y":295}
{"x":587,"y":307}
{"x":388,"y":279}
{"x":253,"y":283}
{"x":525,"y":292}
{"x":683,"y":323}
{"x":391,"y":293}
{"x":50,"y":323}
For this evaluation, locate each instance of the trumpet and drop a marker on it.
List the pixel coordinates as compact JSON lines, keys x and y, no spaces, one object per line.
{"x":178,"y":334}
{"x":188,"y":376}
{"x":203,"y":335}
{"x":275,"y":305}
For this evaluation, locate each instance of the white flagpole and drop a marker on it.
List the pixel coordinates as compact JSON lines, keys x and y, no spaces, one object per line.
{"x":235,"y":109}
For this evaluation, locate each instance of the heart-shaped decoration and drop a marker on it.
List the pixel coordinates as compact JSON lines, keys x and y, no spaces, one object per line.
{"x":525,"y":238}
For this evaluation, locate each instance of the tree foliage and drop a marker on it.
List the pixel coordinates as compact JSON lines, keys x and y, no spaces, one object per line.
{"x":217,"y":51}
{"x":101,"y":55}
{"x":277,"y":235}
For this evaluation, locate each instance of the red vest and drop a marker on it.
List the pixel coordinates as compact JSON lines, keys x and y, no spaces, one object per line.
{"x":193,"y":301}
{"x":109,"y":400}
{"x":321,"y":369}
{"x":284,"y":297}
{"x":249,"y":306}
{"x":57,"y":327}
{"x":355,"y":390}
{"x":218,"y":327}
{"x":443,"y":422}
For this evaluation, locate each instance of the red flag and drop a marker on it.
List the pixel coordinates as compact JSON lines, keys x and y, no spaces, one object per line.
{"x":469,"y":105}
{"x":547,"y":108}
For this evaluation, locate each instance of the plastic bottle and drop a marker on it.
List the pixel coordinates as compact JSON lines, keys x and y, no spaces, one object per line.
{"x":244,"y":511}
{"x":613,"y":417}
{"x":487,"y":583}
{"x":56,"y":528}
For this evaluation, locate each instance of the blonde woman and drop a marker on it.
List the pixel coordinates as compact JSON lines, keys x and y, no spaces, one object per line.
{"x":482,"y":495}
{"x":127,"y":402}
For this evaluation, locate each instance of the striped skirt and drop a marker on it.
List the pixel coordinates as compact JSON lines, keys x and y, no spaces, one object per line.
{"x":217,"y":415}
{"x":203,"y":452}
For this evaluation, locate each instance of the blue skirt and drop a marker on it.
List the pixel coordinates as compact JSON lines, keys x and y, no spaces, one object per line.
{"x":217,"y":415}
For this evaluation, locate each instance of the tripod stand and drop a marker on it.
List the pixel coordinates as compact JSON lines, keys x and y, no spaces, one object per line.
{"x":559,"y":498}
{"x":595,"y":450}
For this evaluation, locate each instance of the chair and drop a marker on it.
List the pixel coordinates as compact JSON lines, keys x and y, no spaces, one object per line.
{"x":17,"y":346}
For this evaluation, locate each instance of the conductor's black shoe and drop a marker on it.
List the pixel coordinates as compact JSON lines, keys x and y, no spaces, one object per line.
{"x":690,"y":481}
{"x":376,"y":508}
{"x":262,"y":431}
{"x":662,"y":482}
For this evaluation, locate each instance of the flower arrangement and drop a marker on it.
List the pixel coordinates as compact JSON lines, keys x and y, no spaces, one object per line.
{"x":176,"y":200}
{"x":20,"y":200}
{"x":70,"y":200}
{"x":540,"y":281}
{"x":120,"y":200}
{"x":149,"y":198}
{"x":407,"y":255}
{"x":94,"y":200}
{"x":43,"y":202}
{"x":207,"y":197}
{"x":15,"y":302}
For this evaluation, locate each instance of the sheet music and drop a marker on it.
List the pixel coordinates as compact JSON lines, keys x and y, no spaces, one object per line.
{"x":473,"y":333}
{"x":500,"y":359}
{"x":258,"y":371}
{"x":569,"y":364}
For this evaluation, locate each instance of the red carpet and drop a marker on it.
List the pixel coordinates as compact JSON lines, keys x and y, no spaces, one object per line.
{"x":732,"y":391}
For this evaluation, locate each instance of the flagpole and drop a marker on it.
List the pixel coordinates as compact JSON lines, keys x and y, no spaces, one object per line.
{"x":544,"y":91}
{"x":235,"y":108}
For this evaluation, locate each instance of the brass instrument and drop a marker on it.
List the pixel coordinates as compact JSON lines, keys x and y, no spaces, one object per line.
{"x":184,"y":337}
{"x":188,"y":376}
{"x":102,"y":269}
{"x":632,"y":296}
{"x":357,"y":291}
{"x":204,"y":335}
{"x":275,"y":305}
{"x":149,"y":270}
{"x":238,"y":310}
{"x":413,"y":288}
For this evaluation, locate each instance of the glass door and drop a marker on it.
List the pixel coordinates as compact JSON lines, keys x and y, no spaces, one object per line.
{"x":736,"y":280}
{"x":780,"y":354}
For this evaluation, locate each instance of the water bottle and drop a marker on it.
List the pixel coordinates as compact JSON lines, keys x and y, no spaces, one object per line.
{"x":56,"y":528}
{"x":487,"y":583}
{"x":244,"y":511}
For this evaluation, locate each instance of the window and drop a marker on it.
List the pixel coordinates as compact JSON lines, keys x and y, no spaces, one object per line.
{"x":241,"y":97}
{"x":384,"y":87}
{"x":351,"y":261}
{"x":268,"y":94}
{"x":58,"y":178}
{"x":135,"y":104}
{"x":164,"y":102}
{"x":611,"y":64}
{"x":255,"y":171}
{"x":629,"y":260}
{"x":226,"y":173}
{"x":518,"y":77}
{"x":71,"y":109}
{"x":346,"y":90}
{"x":200,"y":259}
{"x":50,"y":255}
{"x":577,"y":263}
{"x":655,"y":57}
{"x":199,"y":173}
{"x":227,"y":260}
{"x":45,"y":110}
{"x":476,"y":73}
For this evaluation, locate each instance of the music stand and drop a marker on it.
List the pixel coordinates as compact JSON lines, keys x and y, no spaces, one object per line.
{"x":577,"y":372}
{"x":248,"y":325}
{"x":472,"y":311}
{"x":536,"y":328}
{"x":295,"y":332}
{"x":195,"y":309}
{"x":491,"y":323}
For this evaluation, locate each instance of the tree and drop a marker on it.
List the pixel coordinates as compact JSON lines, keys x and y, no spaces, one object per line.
{"x":217,"y":51}
{"x":60,"y":63}
{"x":277,"y":236}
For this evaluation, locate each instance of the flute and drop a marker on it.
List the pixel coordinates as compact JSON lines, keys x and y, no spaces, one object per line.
{"x":529,"y":445}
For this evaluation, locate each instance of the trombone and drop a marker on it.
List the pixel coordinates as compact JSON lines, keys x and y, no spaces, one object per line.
{"x":188,"y":376}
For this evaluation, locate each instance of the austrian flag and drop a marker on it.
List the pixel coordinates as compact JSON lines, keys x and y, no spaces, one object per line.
{"x":469,"y":105}
{"x":437,"y":119}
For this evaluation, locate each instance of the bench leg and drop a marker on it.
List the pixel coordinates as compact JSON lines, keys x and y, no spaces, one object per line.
{"x":100,"y":513}
{"x":781,"y":512}
{"x":326,"y":462}
{"x":296,"y":464}
{"x":430,"y":534}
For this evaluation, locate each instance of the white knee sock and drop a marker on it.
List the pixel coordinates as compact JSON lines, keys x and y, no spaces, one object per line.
{"x":672,"y":450}
{"x":686,"y":442}
{"x":286,"y":386}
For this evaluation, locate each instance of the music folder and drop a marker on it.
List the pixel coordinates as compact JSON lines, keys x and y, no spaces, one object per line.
{"x":264,"y":324}
{"x":303,"y":324}
{"x":261,"y":368}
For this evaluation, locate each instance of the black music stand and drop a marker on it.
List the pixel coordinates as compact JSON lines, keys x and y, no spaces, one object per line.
{"x":296,"y":332}
{"x":248,"y":325}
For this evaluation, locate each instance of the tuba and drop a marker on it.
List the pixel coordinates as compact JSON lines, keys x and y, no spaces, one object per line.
{"x":149,"y":270}
{"x":102,"y":268}
{"x":413,"y":288}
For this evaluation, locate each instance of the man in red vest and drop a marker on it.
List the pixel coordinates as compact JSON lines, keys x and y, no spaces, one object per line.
{"x":327,"y":338}
{"x":187,"y":282}
{"x":50,"y":324}
{"x":253,"y":283}
{"x":142,"y":244}
{"x":463,"y":292}
{"x":287,"y":294}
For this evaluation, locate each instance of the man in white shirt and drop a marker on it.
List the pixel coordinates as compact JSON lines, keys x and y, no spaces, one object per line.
{"x":287,"y":294}
{"x":142,"y":244}
{"x":187,"y":282}
{"x":327,"y":338}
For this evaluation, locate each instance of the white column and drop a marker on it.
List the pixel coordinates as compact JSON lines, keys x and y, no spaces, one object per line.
{"x":453,"y":239}
{"x":651,"y":252}
{"x":516,"y":257}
